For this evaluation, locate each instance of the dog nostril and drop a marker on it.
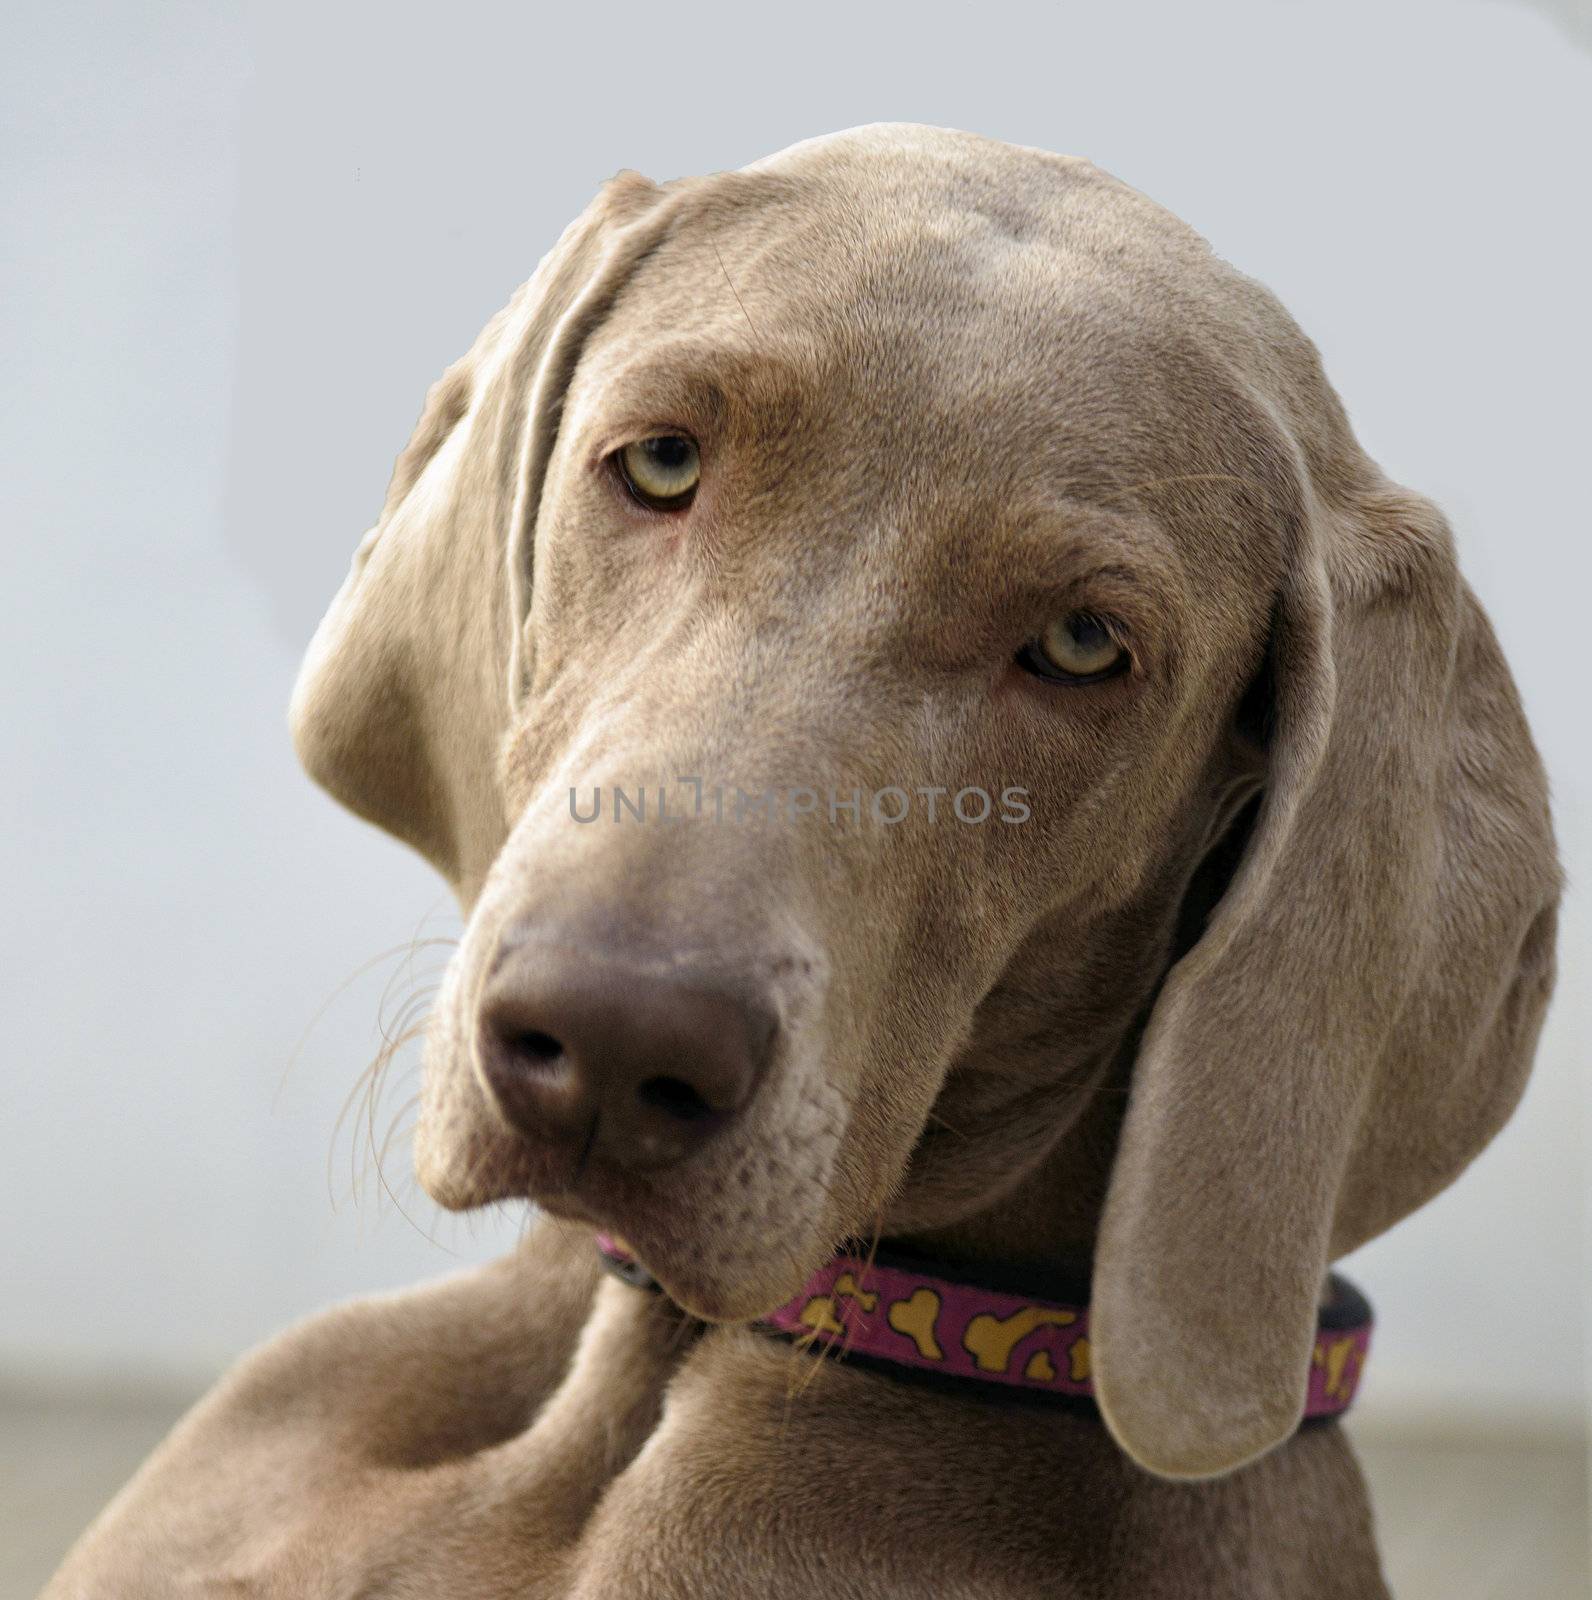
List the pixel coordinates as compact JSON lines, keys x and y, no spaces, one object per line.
{"x":541,"y":1048}
{"x":676,"y":1097}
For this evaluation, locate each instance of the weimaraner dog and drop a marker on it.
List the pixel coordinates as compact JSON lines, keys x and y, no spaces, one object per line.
{"x":963,"y":779}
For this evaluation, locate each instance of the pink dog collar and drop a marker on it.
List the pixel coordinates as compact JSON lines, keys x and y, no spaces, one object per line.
{"x":899,"y":1313}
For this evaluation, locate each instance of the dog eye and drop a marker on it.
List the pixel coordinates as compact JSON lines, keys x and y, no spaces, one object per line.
{"x":662,"y":471}
{"x":1078,"y":648}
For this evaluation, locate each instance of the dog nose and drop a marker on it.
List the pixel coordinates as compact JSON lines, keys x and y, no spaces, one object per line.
{"x":603,"y":1053}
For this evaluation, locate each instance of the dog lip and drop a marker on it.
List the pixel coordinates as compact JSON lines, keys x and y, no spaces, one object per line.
{"x":563,"y":1207}
{"x":600,"y":1197}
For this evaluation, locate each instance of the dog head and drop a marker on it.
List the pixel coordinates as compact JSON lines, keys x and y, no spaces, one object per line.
{"x":830,"y":630}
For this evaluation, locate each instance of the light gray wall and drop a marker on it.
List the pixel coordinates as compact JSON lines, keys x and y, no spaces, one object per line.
{"x":242,"y":246}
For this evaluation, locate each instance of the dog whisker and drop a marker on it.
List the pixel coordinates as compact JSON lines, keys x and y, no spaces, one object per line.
{"x":337,"y":993}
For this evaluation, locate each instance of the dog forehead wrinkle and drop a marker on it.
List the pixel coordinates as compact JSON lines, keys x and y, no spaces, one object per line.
{"x":921,"y":402}
{"x":886,"y":295}
{"x":636,"y":379}
{"x":844,"y":264}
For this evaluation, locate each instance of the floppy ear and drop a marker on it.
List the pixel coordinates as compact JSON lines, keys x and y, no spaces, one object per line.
{"x":1359,"y":1015}
{"x":405,"y":693}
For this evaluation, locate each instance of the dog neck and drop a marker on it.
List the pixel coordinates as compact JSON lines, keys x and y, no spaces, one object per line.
{"x":1048,"y":1218}
{"x":1013,"y":1168}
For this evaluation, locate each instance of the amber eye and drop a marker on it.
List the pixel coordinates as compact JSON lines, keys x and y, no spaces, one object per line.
{"x":1078,"y":648}
{"x":662,"y":471}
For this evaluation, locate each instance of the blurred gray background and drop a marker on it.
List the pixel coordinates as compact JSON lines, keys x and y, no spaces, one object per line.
{"x":240,"y":246}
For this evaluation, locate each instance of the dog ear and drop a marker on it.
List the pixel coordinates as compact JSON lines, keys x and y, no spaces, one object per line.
{"x":405,"y":694}
{"x":1357,"y":1018}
